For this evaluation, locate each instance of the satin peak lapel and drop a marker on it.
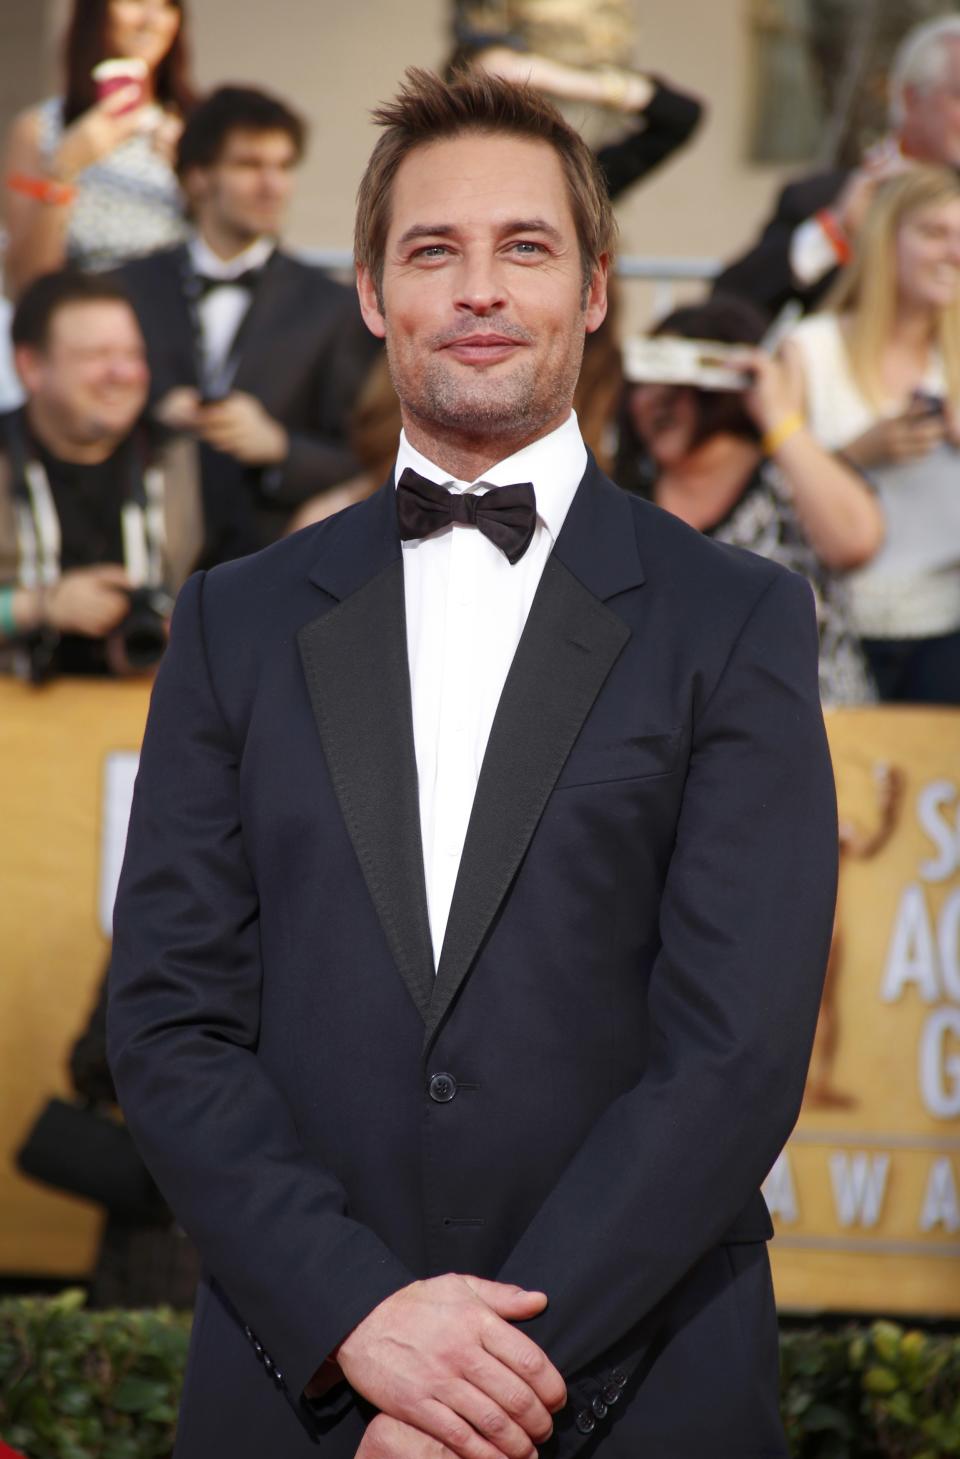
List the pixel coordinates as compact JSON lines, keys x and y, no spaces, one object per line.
{"x":355,"y":661}
{"x":569,"y":645}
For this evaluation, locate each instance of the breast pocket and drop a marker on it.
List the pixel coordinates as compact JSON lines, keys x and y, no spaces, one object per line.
{"x":632,"y":758}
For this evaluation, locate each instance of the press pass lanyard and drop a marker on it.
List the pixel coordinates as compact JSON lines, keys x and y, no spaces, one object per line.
{"x":39,"y":543}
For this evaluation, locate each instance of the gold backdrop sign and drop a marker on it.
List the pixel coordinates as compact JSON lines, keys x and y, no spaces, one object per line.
{"x":67,"y":758}
{"x":865,"y":1196}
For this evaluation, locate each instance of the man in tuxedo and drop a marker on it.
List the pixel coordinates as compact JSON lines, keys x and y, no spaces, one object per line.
{"x":816,"y":218}
{"x":257,"y":354}
{"x":478,"y":891}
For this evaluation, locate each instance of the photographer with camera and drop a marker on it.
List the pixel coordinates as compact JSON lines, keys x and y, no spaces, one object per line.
{"x":98,"y":524}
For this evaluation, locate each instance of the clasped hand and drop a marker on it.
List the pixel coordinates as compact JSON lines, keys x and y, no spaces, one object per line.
{"x":451,"y":1376}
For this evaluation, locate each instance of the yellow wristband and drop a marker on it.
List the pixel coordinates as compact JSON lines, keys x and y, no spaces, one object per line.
{"x":778,"y":435}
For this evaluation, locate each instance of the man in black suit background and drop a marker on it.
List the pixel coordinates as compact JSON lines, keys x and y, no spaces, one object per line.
{"x":816,"y":219}
{"x":256,"y":353}
{"x":478,"y":891}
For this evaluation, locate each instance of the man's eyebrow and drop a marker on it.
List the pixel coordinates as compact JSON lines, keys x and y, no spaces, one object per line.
{"x":425,"y":230}
{"x":532,"y":225}
{"x":446,"y":230}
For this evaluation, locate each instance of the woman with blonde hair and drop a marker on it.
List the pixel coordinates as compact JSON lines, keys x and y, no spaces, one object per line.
{"x":880,"y":372}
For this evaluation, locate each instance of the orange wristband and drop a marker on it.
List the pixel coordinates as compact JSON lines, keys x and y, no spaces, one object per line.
{"x":42,"y":189}
{"x":839,"y":241}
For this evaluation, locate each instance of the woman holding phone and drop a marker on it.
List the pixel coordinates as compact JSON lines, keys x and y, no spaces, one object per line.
{"x":738,"y":464}
{"x":880,"y":380}
{"x":89,"y":176}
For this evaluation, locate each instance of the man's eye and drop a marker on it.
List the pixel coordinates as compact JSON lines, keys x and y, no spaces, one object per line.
{"x":527,"y":247}
{"x":432,"y":250}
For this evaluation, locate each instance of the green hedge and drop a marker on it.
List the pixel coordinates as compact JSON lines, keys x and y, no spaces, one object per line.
{"x":89,"y":1385}
{"x":105,"y":1385}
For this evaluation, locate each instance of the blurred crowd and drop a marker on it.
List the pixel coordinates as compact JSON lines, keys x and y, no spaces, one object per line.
{"x":188,"y":389}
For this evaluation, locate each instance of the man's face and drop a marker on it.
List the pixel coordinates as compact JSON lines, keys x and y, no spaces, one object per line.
{"x":482,"y":302}
{"x":92,"y":378}
{"x":931,"y":130}
{"x":247,"y":190}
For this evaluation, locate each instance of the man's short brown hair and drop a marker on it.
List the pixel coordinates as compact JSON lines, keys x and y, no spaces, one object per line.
{"x":429,"y":109}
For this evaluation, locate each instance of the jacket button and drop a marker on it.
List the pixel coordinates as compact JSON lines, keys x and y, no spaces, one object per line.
{"x":599,"y":1407}
{"x":257,"y":1347}
{"x":278,"y":1377}
{"x":610,"y":1391}
{"x":442,"y":1088}
{"x":619,"y":1377}
{"x":585,"y":1421}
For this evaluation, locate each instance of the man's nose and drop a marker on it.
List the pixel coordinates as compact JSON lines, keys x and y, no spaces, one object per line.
{"x":121,"y":369}
{"x":479,"y":289}
{"x":274,"y":184}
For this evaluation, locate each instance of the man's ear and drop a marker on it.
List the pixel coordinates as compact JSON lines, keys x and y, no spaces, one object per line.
{"x":28,"y":363}
{"x":194,"y":186}
{"x":370,"y":306}
{"x":596,"y":306}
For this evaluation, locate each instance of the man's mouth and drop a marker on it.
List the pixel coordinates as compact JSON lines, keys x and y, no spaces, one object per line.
{"x":482,"y":349}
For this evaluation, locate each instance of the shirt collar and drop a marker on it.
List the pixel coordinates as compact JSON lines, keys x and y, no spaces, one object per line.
{"x":212,"y":266}
{"x":555,"y":464}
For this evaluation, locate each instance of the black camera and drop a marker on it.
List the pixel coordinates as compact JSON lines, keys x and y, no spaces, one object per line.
{"x":143,"y":632}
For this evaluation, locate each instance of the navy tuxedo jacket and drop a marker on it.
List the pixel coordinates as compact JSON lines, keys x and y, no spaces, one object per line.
{"x":623,"y":1009}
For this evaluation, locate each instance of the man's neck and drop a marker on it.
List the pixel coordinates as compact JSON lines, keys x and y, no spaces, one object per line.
{"x":913,"y":146}
{"x":224,"y":241}
{"x":58,"y":440}
{"x":467,"y":457}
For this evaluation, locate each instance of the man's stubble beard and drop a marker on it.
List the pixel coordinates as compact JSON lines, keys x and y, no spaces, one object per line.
{"x":486,"y":407}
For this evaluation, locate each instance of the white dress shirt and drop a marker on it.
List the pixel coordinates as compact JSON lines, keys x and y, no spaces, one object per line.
{"x":466,"y":608}
{"x":221,"y":311}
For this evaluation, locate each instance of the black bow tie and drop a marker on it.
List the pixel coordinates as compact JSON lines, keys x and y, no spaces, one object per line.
{"x":206,"y":283}
{"x":507,"y":515}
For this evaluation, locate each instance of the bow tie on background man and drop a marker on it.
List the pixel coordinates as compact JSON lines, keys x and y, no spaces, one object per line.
{"x":506,"y":515}
{"x":206,"y":283}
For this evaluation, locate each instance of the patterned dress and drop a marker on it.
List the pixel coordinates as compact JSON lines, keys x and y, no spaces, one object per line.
{"x":764,"y":521}
{"x":128,"y":204}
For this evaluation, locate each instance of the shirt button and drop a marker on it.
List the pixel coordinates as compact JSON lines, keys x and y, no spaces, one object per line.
{"x":585,"y":1421}
{"x":442,"y":1088}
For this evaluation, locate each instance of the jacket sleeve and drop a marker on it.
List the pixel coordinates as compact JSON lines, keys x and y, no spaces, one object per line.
{"x":183,"y":1019}
{"x":667,"y":123}
{"x":321,"y":452}
{"x":745,"y":924}
{"x":763,"y":274}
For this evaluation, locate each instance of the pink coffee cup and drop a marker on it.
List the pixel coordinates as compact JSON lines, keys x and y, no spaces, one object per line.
{"x":114,"y":75}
